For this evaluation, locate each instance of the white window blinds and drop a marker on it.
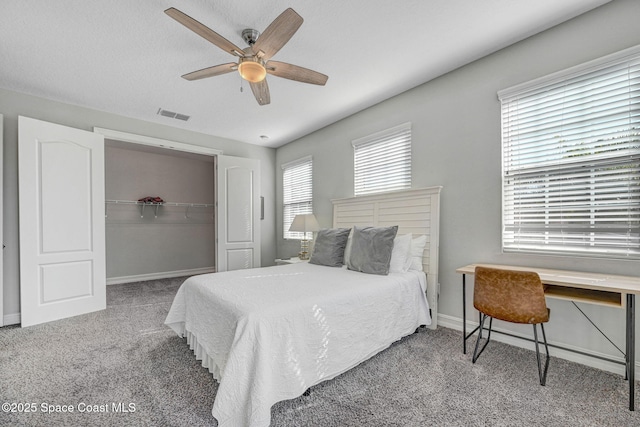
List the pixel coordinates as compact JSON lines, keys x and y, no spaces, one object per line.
{"x":571,"y":161}
{"x":297,"y":193}
{"x":382,"y":161}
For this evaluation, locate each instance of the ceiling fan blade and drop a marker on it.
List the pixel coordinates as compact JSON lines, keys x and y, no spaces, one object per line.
{"x":261,"y":92}
{"x":216,"y":70}
{"x":204,"y":31}
{"x":277,"y":34}
{"x":294,"y":72}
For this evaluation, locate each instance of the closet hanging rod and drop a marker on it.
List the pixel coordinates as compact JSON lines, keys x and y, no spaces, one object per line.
{"x":135,"y":202}
{"x":155,"y":206}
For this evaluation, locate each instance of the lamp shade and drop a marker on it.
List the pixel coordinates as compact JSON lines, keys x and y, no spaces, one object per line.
{"x":304,"y":223}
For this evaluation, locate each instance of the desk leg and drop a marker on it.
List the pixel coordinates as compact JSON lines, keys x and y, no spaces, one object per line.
{"x":631,"y":348}
{"x":464,"y":314}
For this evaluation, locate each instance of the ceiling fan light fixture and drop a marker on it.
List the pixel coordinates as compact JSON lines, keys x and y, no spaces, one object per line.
{"x":252,"y":70}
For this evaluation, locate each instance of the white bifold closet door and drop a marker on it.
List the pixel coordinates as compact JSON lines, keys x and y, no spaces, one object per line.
{"x":238,"y":231}
{"x":62,"y":229}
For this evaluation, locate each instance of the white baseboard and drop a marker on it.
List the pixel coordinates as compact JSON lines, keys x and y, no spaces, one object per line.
{"x":456,"y":323}
{"x":11,"y":319}
{"x":161,"y":275}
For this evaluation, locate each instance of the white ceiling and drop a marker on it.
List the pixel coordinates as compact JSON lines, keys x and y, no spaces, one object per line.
{"x":127,"y":56}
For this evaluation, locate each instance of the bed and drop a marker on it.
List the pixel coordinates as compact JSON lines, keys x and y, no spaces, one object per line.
{"x":268,"y":334}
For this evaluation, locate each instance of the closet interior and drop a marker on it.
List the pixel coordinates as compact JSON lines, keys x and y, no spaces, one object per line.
{"x":159,"y":212}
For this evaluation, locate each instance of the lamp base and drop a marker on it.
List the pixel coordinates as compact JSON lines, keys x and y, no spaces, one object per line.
{"x":304,"y":249}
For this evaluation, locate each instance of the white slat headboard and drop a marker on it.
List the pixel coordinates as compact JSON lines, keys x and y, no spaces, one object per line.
{"x":413,"y":211}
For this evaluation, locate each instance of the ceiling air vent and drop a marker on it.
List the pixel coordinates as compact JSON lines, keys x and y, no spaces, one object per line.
{"x":173,"y":115}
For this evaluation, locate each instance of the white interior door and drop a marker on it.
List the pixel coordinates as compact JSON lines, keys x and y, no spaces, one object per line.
{"x":1,"y":228}
{"x":62,"y":232}
{"x":238,"y":231}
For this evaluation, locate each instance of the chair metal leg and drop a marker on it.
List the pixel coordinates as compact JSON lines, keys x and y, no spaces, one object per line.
{"x":542,"y":374}
{"x":477,"y":354}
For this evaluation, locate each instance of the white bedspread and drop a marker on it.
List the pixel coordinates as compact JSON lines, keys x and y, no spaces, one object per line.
{"x":268,"y":334}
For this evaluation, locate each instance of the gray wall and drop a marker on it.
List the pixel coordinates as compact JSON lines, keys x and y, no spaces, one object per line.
{"x":13,"y":104}
{"x":138,"y":241}
{"x":456,"y":144}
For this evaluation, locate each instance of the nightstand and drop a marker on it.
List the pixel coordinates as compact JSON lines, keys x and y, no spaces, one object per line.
{"x":293,"y":260}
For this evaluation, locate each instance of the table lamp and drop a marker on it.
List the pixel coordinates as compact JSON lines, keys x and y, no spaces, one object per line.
{"x":305,"y":223}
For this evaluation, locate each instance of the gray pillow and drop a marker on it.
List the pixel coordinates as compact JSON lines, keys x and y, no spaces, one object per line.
{"x":329,"y":247}
{"x":371,"y":249}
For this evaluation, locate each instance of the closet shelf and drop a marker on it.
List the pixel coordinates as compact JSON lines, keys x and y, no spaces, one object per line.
{"x":142,"y":205}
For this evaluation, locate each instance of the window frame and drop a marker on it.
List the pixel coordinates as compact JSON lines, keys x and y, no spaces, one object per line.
{"x":302,"y":205}
{"x":596,"y":157}
{"x":370,"y":151}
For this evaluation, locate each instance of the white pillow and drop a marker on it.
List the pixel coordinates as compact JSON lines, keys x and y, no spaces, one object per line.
{"x":347,"y":248}
{"x":400,"y":259}
{"x":417,"y":248}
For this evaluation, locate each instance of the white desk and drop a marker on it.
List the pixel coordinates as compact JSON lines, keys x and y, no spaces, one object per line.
{"x":602,"y":289}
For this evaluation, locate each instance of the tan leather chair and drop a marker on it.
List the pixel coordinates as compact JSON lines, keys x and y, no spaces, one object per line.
{"x":512,"y":296}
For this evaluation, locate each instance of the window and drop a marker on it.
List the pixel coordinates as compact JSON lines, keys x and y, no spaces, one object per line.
{"x":382,"y":161}
{"x":571,"y":161}
{"x":297,"y":193}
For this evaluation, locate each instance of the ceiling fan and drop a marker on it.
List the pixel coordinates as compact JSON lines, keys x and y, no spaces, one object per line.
{"x":254,"y":62}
